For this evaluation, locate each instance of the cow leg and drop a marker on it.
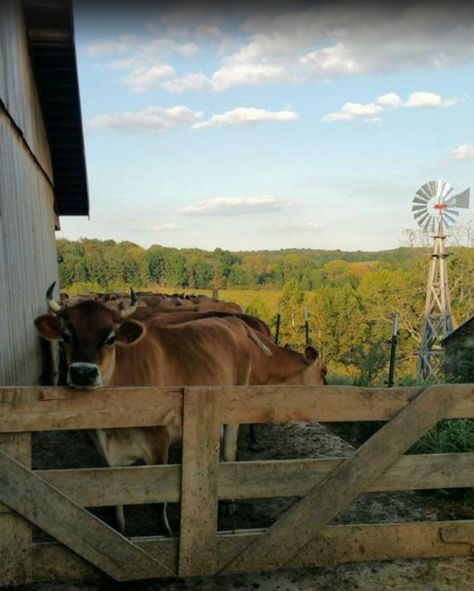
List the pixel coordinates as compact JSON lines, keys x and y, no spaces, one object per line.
{"x":120,"y":518}
{"x":158,"y":447}
{"x":253,"y":444}
{"x":231,"y":436}
{"x":230,"y":454}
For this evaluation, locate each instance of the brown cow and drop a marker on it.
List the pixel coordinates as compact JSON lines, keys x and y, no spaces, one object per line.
{"x":105,"y":348}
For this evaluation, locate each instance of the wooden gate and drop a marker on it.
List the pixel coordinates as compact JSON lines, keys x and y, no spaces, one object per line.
{"x":56,"y":500}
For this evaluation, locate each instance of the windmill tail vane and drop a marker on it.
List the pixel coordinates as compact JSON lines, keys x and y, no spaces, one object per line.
{"x":436,"y":209}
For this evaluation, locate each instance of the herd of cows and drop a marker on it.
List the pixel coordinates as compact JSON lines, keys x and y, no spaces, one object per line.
{"x":153,"y":339}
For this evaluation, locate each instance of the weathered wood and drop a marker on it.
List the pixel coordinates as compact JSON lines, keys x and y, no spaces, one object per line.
{"x":42,"y":409}
{"x":335,"y":544}
{"x":198,"y":541}
{"x":287,"y":478}
{"x":339,"y":488}
{"x":135,"y":485}
{"x":283,"y":404}
{"x":57,"y":409}
{"x":28,"y":261}
{"x":43,"y":505}
{"x":15,"y":532}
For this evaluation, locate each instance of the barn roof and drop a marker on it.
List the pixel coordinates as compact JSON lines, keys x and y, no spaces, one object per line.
{"x":50,"y":30}
{"x":467,"y":328}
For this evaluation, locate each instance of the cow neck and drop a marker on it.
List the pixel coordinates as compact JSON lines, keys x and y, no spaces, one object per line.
{"x":283,"y":364}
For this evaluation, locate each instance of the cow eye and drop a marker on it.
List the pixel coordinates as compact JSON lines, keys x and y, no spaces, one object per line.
{"x":110,"y":340}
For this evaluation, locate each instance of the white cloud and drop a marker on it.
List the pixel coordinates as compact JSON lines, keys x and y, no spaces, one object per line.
{"x":391,"y":99}
{"x":246,"y":116}
{"x":291,"y":44}
{"x":351,"y":111}
{"x":142,"y":79}
{"x":196,"y":81}
{"x":112,"y":46}
{"x":230,"y":206}
{"x":237,"y":74}
{"x":427,"y":99}
{"x":464,"y":152}
{"x":331,"y":60}
{"x":149,"y":120}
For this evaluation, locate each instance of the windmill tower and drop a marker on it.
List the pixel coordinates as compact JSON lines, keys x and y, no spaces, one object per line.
{"x":435,"y":212}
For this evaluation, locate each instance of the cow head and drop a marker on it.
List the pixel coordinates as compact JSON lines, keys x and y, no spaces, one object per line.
{"x":314,"y":374}
{"x":90,"y":332}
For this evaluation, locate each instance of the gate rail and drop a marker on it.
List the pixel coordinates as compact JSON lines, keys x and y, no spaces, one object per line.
{"x":55,"y":500}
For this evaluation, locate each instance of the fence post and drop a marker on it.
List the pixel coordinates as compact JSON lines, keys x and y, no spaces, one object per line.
{"x":278,"y":322}
{"x":199,"y":494}
{"x":15,"y":532}
{"x":306,"y":327}
{"x":393,"y":350}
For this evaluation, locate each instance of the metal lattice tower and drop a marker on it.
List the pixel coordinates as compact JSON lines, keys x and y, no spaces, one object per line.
{"x":435,"y":211}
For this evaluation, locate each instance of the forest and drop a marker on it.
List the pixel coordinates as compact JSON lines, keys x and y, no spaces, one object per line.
{"x":350,"y":296}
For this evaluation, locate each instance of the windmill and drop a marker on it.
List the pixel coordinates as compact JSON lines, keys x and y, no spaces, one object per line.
{"x":436,"y":210}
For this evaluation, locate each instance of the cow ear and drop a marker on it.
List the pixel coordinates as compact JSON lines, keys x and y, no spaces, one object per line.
{"x":50,"y":327}
{"x":130,"y":333}
{"x":310,"y":354}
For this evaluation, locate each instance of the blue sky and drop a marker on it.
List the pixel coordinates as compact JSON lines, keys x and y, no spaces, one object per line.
{"x":305,"y":125}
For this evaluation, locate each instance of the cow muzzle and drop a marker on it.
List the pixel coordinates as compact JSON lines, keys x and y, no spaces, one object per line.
{"x":84,"y":375}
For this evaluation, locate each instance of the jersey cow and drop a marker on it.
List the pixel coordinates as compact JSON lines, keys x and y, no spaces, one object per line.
{"x":104,"y":347}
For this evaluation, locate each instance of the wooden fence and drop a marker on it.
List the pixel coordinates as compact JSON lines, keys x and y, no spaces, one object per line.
{"x":86,"y":548}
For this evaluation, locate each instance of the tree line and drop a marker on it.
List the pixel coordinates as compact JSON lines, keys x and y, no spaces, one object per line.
{"x":350,"y":296}
{"x":107,"y":263}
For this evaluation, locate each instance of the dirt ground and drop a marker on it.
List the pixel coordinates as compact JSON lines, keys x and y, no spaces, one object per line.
{"x":70,"y":450}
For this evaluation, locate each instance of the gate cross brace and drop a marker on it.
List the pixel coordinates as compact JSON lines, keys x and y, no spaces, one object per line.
{"x":300,"y":524}
{"x":43,"y":505}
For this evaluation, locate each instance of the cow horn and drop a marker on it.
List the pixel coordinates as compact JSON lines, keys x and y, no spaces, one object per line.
{"x":126,"y":312}
{"x":52,"y":303}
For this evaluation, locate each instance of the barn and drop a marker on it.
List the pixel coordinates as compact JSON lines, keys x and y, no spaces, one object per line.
{"x":459,"y":353}
{"x":43,"y":172}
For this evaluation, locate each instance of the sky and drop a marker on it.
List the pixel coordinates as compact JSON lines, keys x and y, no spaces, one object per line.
{"x":298,"y":125}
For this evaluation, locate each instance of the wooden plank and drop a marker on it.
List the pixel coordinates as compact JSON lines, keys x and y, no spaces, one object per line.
{"x":335,"y":545}
{"x":136,"y":485}
{"x":41,"y":409}
{"x":283,"y":404}
{"x":15,"y":533}
{"x":198,"y":541}
{"x":287,"y":478}
{"x":56,"y":409}
{"x":43,"y":505}
{"x":339,"y":488}
{"x":102,"y":487}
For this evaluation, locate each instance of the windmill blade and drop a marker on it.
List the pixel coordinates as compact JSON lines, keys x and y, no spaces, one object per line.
{"x":451,"y":211}
{"x":420,"y":214}
{"x":422,"y":219}
{"x":451,"y":220}
{"x":420,"y":200}
{"x":419,"y":207}
{"x":447,"y":189}
{"x":433,"y":188}
{"x":451,"y":217}
{"x":460,"y":200}
{"x":429,"y":222}
{"x":426,"y":191}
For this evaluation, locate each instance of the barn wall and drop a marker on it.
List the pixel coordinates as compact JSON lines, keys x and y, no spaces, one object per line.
{"x":27,"y":219}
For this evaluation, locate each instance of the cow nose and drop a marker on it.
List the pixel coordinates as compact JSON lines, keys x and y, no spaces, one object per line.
{"x":83,"y":374}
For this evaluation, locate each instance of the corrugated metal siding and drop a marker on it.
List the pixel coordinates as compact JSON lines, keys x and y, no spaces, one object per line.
{"x":27,"y":242}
